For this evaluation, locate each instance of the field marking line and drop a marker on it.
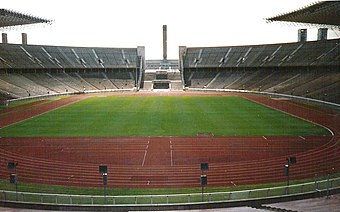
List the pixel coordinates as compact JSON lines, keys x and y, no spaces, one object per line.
{"x":303,"y":138}
{"x":145,"y":152}
{"x":311,"y":108}
{"x":171,"y":161}
{"x":264,"y":137}
{"x":40,"y":114}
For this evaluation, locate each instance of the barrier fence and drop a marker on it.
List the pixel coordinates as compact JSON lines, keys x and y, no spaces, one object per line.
{"x":325,"y":185}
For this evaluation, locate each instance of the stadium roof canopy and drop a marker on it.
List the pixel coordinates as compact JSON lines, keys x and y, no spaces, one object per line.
{"x":325,"y":13}
{"x":10,"y":18}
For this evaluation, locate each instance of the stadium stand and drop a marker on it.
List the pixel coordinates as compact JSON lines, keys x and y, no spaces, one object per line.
{"x":31,"y":70}
{"x":309,"y":69}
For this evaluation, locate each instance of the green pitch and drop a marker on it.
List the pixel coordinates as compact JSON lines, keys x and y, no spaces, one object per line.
{"x":162,"y":116}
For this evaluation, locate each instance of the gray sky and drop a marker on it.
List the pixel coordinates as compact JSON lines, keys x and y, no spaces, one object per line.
{"x":132,"y":23}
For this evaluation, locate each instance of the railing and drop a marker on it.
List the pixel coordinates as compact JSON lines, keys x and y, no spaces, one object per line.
{"x":7,"y":102}
{"x":174,"y":199}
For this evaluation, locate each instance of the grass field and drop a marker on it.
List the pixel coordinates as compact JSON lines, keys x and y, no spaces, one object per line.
{"x":162,"y":116}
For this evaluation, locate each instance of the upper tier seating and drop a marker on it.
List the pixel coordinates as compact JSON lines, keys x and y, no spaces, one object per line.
{"x":308,"y":69}
{"x":14,"y":56}
{"x":313,"y":53}
{"x":32,"y":70}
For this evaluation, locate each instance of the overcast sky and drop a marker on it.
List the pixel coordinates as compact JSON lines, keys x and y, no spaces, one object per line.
{"x":132,"y":23}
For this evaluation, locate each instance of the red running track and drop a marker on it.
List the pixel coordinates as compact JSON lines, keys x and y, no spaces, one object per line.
{"x":152,"y":162}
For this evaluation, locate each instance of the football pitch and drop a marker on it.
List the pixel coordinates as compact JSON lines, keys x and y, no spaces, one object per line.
{"x":162,"y":116}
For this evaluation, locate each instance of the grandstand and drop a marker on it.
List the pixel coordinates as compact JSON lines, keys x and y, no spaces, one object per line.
{"x":304,"y":68}
{"x":31,"y":70}
{"x":309,"y":69}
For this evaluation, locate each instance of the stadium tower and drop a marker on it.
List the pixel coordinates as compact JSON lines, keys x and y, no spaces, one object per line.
{"x":165,"y":43}
{"x":163,"y":74}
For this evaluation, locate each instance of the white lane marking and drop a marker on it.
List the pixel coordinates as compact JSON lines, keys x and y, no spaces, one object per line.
{"x":303,"y":138}
{"x":145,"y":152}
{"x":171,"y":161}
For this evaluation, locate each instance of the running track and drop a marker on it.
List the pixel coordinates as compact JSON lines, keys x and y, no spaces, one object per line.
{"x":150,"y":162}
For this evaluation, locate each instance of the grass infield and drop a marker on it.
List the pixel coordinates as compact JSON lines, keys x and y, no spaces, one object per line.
{"x":162,"y":116}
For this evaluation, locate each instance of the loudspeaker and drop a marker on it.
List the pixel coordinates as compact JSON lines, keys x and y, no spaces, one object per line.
{"x":11,"y":165}
{"x":291,"y":160}
{"x":204,"y":180}
{"x":13,"y":179}
{"x":204,"y":167}
{"x":102,"y":168}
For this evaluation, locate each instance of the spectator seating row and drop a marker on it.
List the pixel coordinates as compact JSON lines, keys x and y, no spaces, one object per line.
{"x":31,"y":70}
{"x":14,"y":56}
{"x":24,"y":84}
{"x":308,"y":69}
{"x":314,"y":84}
{"x":313,"y":53}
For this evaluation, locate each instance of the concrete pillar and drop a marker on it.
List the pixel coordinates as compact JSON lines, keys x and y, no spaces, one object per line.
{"x":302,"y":35}
{"x":165,"y":45}
{"x":322,"y":33}
{"x":141,"y":53}
{"x":24,"y":38}
{"x":4,"y":38}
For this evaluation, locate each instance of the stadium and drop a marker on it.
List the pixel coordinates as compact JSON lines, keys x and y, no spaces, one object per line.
{"x":94,"y":128}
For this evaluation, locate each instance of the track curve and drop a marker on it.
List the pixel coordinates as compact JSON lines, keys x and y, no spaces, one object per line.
{"x":154,"y":162}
